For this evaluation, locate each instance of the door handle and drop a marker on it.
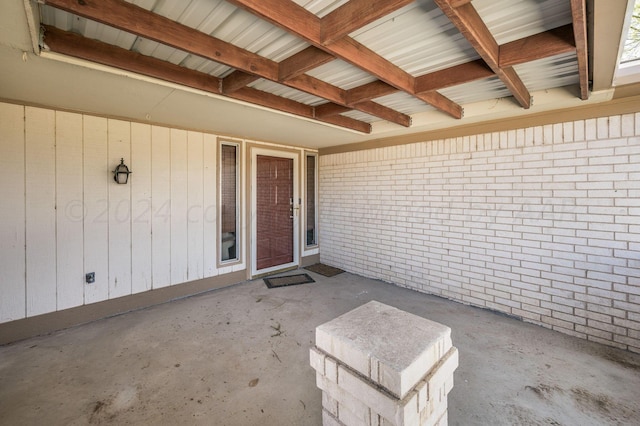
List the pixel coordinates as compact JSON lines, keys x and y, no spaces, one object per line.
{"x":291,"y":209}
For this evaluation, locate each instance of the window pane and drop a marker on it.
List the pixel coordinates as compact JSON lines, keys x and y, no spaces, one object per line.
{"x":312,"y":238}
{"x":229,"y":201}
{"x":631,"y":50}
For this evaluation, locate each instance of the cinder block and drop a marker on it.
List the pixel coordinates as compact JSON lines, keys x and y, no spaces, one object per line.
{"x":442,"y":372}
{"x":331,"y":369}
{"x":343,"y":399}
{"x":330,"y":404}
{"x":330,"y":420}
{"x":393,"y":348}
{"x":316,"y":359}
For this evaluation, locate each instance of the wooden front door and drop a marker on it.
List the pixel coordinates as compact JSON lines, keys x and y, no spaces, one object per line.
{"x":274,"y":211}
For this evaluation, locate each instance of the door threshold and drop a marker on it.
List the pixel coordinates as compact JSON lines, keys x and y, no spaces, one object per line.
{"x":277,"y":271}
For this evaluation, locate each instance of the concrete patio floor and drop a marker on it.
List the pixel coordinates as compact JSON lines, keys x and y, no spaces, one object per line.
{"x":240,"y":356}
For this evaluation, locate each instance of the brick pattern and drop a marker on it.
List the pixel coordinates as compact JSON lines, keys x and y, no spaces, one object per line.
{"x":542,"y":223}
{"x":382,"y":377}
{"x":350,"y":399}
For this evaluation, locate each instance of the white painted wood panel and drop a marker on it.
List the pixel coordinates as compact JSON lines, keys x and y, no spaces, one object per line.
{"x":195,"y":212}
{"x":12,"y":235}
{"x":140,"y":207}
{"x":96,"y":211}
{"x":69,"y":210}
{"x":119,"y":140}
{"x":210,"y":150}
{"x":40,"y":210}
{"x":179,"y":207}
{"x":161,"y":206}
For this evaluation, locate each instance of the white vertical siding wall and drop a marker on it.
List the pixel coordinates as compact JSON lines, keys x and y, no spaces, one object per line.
{"x":40,"y":202}
{"x":12,"y":189}
{"x":91,"y":210}
{"x":542,"y":223}
{"x":64,"y":216}
{"x":141,"y":277}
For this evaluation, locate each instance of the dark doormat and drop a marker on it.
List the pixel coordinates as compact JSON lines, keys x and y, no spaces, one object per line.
{"x":326,"y":270}
{"x":288,"y":280}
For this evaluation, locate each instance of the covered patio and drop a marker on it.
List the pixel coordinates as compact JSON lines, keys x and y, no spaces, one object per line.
{"x":240,"y":356}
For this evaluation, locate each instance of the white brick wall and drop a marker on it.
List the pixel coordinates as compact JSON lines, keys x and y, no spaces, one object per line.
{"x":542,"y":223}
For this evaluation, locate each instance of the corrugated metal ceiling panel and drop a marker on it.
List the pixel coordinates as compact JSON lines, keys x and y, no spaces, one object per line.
{"x":362,"y":116}
{"x":321,"y":8}
{"x":510,"y":20}
{"x":556,"y":71}
{"x":341,"y":74}
{"x":418,"y":38}
{"x":476,"y":91}
{"x":403,"y":102}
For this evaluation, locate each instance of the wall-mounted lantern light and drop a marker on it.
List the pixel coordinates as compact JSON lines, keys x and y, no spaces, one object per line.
{"x":121,"y":173}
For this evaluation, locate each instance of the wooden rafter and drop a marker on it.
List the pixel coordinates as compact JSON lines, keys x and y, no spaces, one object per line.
{"x":136,"y":20}
{"x":139,"y":21}
{"x":459,"y":74}
{"x":329,"y":41}
{"x":388,"y":114}
{"x":465,"y":17}
{"x":579,"y":14}
{"x":349,"y":123}
{"x":369,"y":91}
{"x":77,"y":46}
{"x":237,"y":80}
{"x":303,"y":61}
{"x":329,"y":109}
{"x":297,"y":20}
{"x":543,"y":45}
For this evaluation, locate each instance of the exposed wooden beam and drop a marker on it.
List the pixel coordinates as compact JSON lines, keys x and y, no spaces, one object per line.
{"x":77,"y":46}
{"x":369,"y":91}
{"x":459,"y":74}
{"x":355,"y":14}
{"x":579,"y":14}
{"x":458,"y":3}
{"x":384,"y":112}
{"x":139,"y":21}
{"x":312,"y":85}
{"x":543,"y":45}
{"x":470,"y":24}
{"x":286,"y":105}
{"x":444,"y":104}
{"x":297,"y":20}
{"x":329,"y":109}
{"x":237,"y":80}
{"x":350,"y":123}
{"x":303,"y":61}
{"x":272,"y":101}
{"x":317,"y":87}
{"x":136,"y":20}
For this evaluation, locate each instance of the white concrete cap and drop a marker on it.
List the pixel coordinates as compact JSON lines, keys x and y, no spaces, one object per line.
{"x":393,"y":348}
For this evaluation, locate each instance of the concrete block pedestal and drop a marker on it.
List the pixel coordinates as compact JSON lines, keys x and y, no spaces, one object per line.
{"x":377,"y":365}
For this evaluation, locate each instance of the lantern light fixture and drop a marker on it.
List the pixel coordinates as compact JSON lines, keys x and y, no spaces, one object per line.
{"x":121,"y":173}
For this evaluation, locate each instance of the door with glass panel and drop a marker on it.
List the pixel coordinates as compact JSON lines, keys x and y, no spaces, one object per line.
{"x":275,"y":209}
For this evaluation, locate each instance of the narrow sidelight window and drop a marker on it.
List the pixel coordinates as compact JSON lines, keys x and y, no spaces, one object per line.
{"x":311,"y":194}
{"x":229,"y":199}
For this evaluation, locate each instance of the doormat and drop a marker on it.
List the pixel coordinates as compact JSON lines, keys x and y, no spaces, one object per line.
{"x":326,"y":270}
{"x":288,"y":280}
